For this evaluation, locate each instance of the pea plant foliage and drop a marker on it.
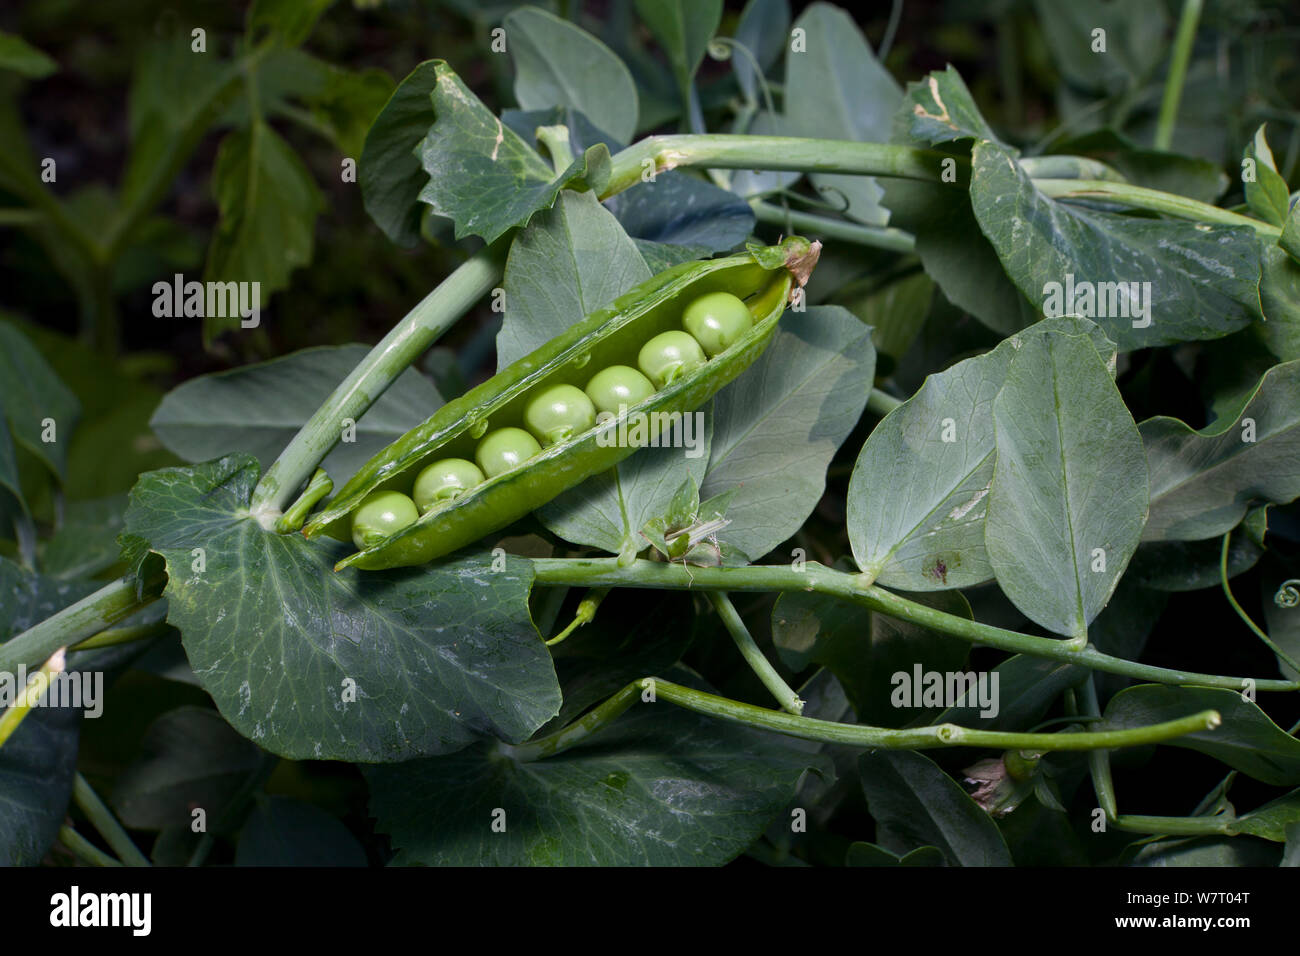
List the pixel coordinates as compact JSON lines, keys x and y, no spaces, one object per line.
{"x":985,"y":553}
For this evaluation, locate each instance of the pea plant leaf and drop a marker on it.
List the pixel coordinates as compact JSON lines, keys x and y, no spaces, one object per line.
{"x":315,"y":664}
{"x":679,"y":210}
{"x":868,"y":854}
{"x":1266,"y":192}
{"x":866,"y":651}
{"x":189,"y":758}
{"x":1146,"y":282}
{"x":939,"y":109}
{"x":21,"y":57}
{"x":282,"y":831}
{"x":1059,"y":531}
{"x":560,"y":64}
{"x":919,"y":805}
{"x":1247,"y":740}
{"x":1203,"y":482}
{"x":259,"y":408}
{"x":835,"y":88}
{"x":1279,"y":297}
{"x":268,"y":204}
{"x":38,"y":762}
{"x":777,"y":426}
{"x":40,"y":410}
{"x":1272,"y":820}
{"x":763,"y":30}
{"x":482,"y":176}
{"x":683,"y":28}
{"x":1026,"y":688}
{"x":571,"y":260}
{"x":661,"y":786}
{"x":389,"y":173}
{"x":940,"y":447}
{"x":1134,"y":37}
{"x":86,"y":542}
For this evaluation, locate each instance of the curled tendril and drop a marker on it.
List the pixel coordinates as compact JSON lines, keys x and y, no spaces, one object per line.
{"x":1288,"y":594}
{"x":824,"y":190}
{"x":719,"y":49}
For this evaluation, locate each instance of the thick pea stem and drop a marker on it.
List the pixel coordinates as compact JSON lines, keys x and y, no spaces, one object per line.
{"x":749,"y":650}
{"x":435,"y":313}
{"x":605,"y":572}
{"x":319,"y":486}
{"x":1139,"y":197}
{"x":86,"y":618}
{"x":856,"y":735}
{"x":585,"y":614}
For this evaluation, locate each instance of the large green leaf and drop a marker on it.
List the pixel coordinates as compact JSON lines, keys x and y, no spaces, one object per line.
{"x":1195,"y":280}
{"x":661,"y":786}
{"x":189,"y":759}
{"x":1279,"y":297}
{"x":41,"y":411}
{"x":1202,"y":483}
{"x":259,"y":408}
{"x":268,"y":204}
{"x":939,"y":447}
{"x":312,"y":663}
{"x":1247,"y":740}
{"x":559,"y":64}
{"x":920,"y":805}
{"x":482,"y":176}
{"x":1060,"y":530}
{"x":777,"y":426}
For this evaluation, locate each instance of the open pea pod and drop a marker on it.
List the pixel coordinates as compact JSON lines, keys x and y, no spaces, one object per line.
{"x":763,"y":277}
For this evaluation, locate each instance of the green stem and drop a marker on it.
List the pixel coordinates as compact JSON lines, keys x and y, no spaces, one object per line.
{"x":35,"y":689}
{"x":1098,"y":760}
{"x":75,"y":623}
{"x":1182,"y":53}
{"x":1140,"y":197}
{"x":1173,"y":826}
{"x":855,"y":735}
{"x":556,"y":141}
{"x":84,"y":850}
{"x":728,"y":151}
{"x":1241,"y":613}
{"x":103,"y":820}
{"x":753,"y":656}
{"x":319,"y":486}
{"x":882,"y":403}
{"x":605,"y":572}
{"x":820,"y":227}
{"x":122,"y":635}
{"x":435,"y":313}
{"x":585,"y":613}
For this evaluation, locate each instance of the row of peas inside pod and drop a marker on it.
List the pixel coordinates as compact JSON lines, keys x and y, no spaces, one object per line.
{"x":714,"y":321}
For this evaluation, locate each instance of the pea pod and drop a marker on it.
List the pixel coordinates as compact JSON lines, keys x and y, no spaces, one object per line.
{"x":763,"y":277}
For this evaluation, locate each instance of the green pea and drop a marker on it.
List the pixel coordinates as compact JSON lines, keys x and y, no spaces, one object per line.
{"x":668,"y":356}
{"x":717,"y":321}
{"x":381,"y":515}
{"x":503,"y":449}
{"x":559,"y":413}
{"x":618,"y":385}
{"x":445,"y":480}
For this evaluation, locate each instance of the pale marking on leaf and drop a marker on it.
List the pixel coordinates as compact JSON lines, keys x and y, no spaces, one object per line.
{"x":943,"y":117}
{"x":961,"y":510}
{"x":500,"y":139}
